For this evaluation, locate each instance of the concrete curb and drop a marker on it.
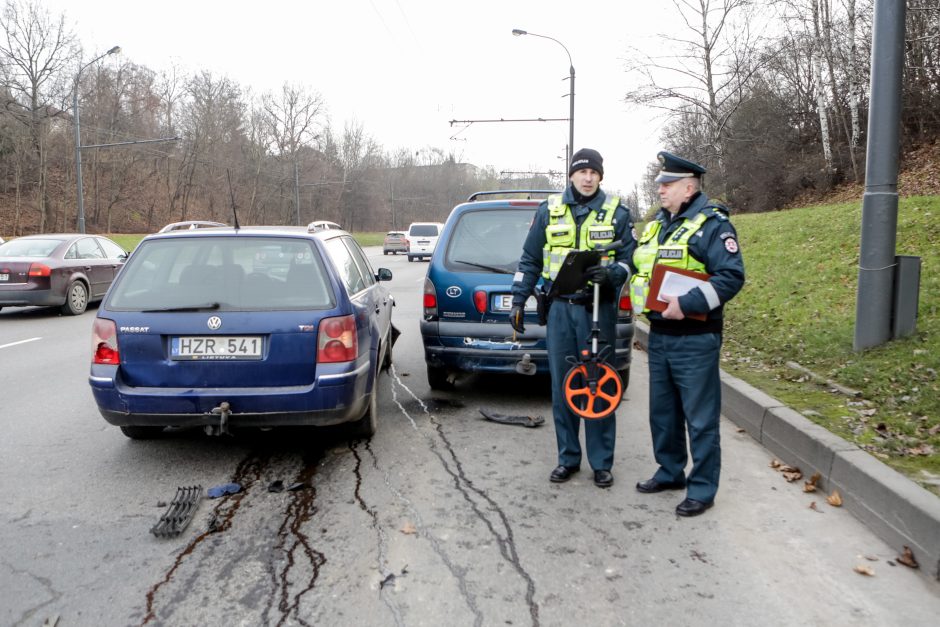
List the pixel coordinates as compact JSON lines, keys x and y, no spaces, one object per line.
{"x":896,"y":509}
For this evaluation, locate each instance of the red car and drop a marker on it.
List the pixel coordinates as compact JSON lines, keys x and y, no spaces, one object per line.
{"x":67,"y":270}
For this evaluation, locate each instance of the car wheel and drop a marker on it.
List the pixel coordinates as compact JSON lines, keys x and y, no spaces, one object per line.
{"x":625,"y":377}
{"x":387,"y":362}
{"x":141,"y":433}
{"x":365,"y":426}
{"x":438,"y":379}
{"x":385,"y":252}
{"x":410,"y":258}
{"x":76,"y":299}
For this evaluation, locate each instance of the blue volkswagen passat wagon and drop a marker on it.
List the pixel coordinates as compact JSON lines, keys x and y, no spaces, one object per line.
{"x":253,"y":327}
{"x":468,"y":295}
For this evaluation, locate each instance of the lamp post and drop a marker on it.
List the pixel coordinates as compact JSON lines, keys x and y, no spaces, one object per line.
{"x":517,"y":32}
{"x":78,"y":138}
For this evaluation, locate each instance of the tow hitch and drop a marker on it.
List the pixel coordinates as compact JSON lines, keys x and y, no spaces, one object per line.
{"x":223,"y":411}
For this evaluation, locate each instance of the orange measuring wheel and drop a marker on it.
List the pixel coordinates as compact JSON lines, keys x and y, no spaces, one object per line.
{"x":593,"y":397}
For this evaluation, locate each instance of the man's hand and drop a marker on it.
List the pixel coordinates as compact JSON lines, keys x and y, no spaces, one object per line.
{"x":598,"y":274}
{"x":673,"y":311}
{"x":516,"y":318}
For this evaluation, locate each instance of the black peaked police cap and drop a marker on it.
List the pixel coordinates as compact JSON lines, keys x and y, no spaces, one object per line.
{"x":676,"y":168}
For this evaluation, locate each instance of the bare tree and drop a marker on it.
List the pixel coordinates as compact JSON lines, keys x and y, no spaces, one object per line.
{"x":705,"y":76}
{"x":35,"y":48}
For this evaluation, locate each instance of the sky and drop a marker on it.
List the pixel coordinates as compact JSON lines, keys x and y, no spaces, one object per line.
{"x":404,"y":69}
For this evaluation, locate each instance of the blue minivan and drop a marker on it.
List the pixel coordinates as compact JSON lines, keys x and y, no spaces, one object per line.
{"x":467,"y":294}
{"x":242,"y":327}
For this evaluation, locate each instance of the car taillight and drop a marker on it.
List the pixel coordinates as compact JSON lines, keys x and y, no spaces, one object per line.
{"x":337,"y":340}
{"x":479,"y":301}
{"x":624,"y":306}
{"x":104,"y":342}
{"x":430,"y":299}
{"x":39,"y":269}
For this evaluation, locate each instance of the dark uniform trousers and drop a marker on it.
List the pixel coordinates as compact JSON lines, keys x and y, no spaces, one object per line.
{"x":567,"y":333}
{"x":685,"y":389}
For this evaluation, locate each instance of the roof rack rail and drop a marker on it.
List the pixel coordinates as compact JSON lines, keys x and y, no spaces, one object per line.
{"x":187,"y":225}
{"x":527,"y":192}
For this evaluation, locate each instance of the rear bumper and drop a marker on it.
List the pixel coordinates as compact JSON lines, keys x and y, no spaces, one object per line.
{"x":25,"y":298}
{"x":332,"y":399}
{"x":483,"y":347}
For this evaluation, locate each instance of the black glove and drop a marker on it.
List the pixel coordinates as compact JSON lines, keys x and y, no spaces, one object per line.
{"x":516,"y":317}
{"x":598,"y":274}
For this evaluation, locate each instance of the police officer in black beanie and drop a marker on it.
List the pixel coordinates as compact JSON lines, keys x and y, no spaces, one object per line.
{"x":580,"y":218}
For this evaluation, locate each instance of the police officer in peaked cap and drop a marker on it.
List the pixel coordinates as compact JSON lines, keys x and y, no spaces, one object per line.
{"x":581,"y":218}
{"x":694,"y":233}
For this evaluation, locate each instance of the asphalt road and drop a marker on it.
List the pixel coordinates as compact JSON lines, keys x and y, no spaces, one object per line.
{"x":440,"y":519}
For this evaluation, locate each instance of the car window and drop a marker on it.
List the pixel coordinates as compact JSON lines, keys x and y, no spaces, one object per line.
{"x":349,"y":271}
{"x":239,"y":273}
{"x":365,"y":268}
{"x":112,"y":250}
{"x":22,"y":247}
{"x":424,"y":230}
{"x":493,"y":238}
{"x":85,"y":248}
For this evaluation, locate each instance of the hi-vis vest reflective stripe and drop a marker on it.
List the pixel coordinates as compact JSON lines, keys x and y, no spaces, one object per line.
{"x":674,"y":252}
{"x":561,"y":236}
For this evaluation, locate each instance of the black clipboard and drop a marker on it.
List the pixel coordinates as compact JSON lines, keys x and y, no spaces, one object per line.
{"x":570,"y":277}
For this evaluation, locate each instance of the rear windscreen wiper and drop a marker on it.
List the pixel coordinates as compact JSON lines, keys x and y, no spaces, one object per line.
{"x":206,"y":307}
{"x":485,"y":267}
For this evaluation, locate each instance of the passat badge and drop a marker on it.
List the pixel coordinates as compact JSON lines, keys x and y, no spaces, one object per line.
{"x":453,"y":291}
{"x":214,"y":323}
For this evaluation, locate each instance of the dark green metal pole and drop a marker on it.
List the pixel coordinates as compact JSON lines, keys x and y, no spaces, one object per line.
{"x":880,"y":201}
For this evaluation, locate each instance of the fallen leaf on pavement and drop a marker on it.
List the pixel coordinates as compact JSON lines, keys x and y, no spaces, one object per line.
{"x":776,"y":463}
{"x":908,"y":558}
{"x":741,"y":430}
{"x":863,"y":569}
{"x":792,"y":475}
{"x":813,"y":507}
{"x":834,"y":499}
{"x":408,"y":528}
{"x":810,"y":486}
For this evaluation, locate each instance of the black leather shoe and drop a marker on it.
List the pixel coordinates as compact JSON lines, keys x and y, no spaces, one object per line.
{"x":603,"y":478}
{"x":651,"y":486}
{"x":562,"y":474}
{"x":691,"y":507}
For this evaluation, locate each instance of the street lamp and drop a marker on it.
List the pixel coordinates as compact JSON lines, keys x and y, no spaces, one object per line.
{"x":517,"y":32}
{"x":78,"y":138}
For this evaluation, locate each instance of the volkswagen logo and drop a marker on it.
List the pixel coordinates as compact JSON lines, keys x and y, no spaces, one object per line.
{"x":453,"y":291}
{"x":214,"y":323}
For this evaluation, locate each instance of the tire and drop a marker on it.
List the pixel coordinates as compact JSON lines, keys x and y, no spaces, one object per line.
{"x":385,"y":252}
{"x":142,"y":433}
{"x":410,"y":258}
{"x":387,"y":362}
{"x":437,"y":379}
{"x":76,"y":299}
{"x":365,"y":427}
{"x":625,"y":377}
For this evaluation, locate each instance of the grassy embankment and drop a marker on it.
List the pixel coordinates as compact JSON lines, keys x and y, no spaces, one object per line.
{"x":799,"y":306}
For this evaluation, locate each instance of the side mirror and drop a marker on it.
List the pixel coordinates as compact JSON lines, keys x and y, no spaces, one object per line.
{"x":384,"y":274}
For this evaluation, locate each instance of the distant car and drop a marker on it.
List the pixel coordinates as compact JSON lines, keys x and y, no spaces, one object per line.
{"x":66,"y":270}
{"x":395,"y":242}
{"x":189,"y":225}
{"x":1,"y":240}
{"x":250,"y":327}
{"x":323,"y":225}
{"x":468,"y":294}
{"x":422,"y":239}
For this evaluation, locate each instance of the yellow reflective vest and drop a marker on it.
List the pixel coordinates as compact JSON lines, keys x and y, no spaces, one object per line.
{"x":561,"y":233}
{"x":674,"y":252}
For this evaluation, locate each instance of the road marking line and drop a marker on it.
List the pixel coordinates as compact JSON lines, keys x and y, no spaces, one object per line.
{"x":32,"y":339}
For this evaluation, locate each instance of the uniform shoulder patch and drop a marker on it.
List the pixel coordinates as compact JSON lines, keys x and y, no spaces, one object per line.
{"x":731,"y":245}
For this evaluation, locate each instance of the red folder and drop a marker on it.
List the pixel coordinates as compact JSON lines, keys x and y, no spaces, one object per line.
{"x":660,"y":271}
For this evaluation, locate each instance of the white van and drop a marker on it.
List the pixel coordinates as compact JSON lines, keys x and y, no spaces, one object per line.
{"x":422,"y":238}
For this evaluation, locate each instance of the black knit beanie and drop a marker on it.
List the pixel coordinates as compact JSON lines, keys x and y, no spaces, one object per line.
{"x":587,"y":158}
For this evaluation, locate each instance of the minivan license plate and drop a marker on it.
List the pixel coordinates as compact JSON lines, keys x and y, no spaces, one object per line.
{"x":504,"y":303}
{"x":195,"y":347}
{"x":4,"y":277}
